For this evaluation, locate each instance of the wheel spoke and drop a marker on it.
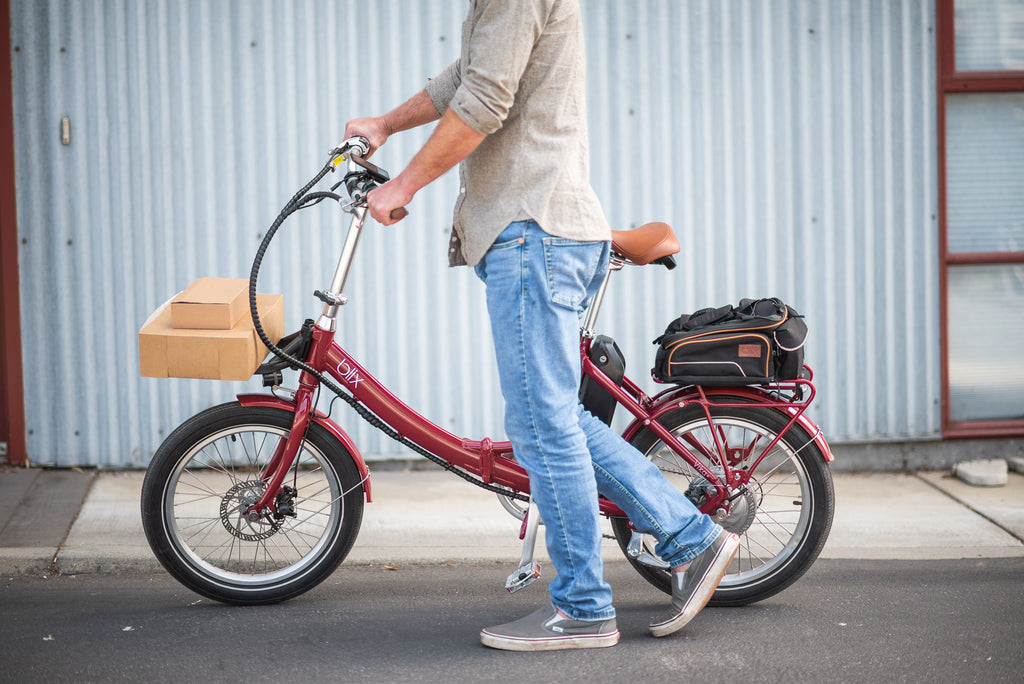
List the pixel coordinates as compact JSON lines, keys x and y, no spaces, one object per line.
{"x":783,"y":512}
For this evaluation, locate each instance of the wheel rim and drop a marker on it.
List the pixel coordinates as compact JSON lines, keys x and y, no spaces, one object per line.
{"x":216,"y":481}
{"x":772,"y":516}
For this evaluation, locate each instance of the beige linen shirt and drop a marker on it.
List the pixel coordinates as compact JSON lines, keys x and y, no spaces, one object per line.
{"x":520,"y":80}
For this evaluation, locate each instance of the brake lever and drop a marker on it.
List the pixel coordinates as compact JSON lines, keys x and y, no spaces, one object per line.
{"x":356,"y":203}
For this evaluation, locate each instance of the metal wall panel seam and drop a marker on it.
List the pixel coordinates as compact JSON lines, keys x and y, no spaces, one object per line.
{"x":863,"y":315}
{"x":930,"y":310}
{"x":727,"y":261}
{"x":753,"y":236}
{"x":888,"y":274}
{"x":770,"y":220}
{"x":827,"y":225}
{"x":841,"y":317}
{"x":104,"y":290}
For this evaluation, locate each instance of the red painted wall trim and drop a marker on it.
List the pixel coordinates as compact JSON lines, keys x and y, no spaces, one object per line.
{"x":12,"y":403}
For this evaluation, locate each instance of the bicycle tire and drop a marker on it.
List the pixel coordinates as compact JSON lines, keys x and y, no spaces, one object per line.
{"x":783,"y":517}
{"x":207,"y":473}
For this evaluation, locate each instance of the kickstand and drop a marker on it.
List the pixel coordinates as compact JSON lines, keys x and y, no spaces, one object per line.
{"x":529,"y":570}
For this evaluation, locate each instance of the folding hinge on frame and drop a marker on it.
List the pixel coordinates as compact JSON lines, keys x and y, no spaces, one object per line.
{"x":486,"y":460}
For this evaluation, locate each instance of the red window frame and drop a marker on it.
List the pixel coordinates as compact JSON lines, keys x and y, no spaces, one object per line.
{"x":952,"y":81}
{"x":12,"y":407}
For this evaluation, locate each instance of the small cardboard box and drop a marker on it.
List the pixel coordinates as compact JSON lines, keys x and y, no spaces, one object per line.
{"x":211,"y":304}
{"x":235,"y":354}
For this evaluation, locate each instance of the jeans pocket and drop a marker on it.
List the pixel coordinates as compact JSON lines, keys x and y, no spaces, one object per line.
{"x":500,"y":253}
{"x":570,"y":267}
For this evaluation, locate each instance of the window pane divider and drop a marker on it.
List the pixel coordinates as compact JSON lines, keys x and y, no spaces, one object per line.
{"x":962,"y":258}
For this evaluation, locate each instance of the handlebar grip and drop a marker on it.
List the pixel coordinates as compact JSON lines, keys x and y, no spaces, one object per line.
{"x":357,"y":146}
{"x":399,"y":213}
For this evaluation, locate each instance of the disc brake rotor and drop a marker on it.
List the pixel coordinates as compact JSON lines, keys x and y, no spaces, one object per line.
{"x":233,"y":516}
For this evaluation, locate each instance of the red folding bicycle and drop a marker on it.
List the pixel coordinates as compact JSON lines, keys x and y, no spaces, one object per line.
{"x":260,"y":499}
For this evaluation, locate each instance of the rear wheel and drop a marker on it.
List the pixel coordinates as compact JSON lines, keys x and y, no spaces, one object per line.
{"x":205,"y":477}
{"x":783,"y":515}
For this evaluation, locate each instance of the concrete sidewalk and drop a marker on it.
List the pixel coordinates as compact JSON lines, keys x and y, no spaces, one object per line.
{"x":74,"y":522}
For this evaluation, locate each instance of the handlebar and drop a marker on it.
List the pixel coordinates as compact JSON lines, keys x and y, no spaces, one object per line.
{"x":362,"y":176}
{"x":357,"y":145}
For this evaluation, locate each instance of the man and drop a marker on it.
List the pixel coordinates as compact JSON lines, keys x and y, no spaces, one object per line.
{"x":512,"y":110}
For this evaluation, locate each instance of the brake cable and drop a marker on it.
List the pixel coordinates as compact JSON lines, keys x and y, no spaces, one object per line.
{"x":300,"y":201}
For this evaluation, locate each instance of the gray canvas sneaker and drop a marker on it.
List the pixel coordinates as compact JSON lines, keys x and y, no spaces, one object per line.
{"x":546,"y":630}
{"x":691,"y":590}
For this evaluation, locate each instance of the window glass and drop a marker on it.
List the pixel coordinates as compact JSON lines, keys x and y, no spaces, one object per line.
{"x":989,"y":35}
{"x":986,"y":342}
{"x":985,"y":172}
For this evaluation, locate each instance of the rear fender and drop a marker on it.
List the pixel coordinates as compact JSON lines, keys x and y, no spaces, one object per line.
{"x":685,"y":395}
{"x":270,"y":401}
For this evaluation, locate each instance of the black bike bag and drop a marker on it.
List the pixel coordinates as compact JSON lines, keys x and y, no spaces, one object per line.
{"x":759,"y":341}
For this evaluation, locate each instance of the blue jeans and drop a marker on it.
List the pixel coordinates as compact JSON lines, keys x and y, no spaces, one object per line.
{"x":537,"y":287}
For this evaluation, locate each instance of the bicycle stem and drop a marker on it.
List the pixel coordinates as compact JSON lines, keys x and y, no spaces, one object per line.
{"x":335,"y":297}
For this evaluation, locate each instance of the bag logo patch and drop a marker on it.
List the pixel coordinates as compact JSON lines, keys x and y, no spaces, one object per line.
{"x":750,"y":351}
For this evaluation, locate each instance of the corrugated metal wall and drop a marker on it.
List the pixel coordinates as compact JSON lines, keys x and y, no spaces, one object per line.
{"x":791,"y":144}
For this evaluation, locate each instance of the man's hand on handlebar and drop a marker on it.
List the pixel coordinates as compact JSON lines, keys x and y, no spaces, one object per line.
{"x":387,"y":203}
{"x":452,"y":141}
{"x":371,"y":128}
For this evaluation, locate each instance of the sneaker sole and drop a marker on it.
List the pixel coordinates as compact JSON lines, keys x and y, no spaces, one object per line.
{"x":549,"y":643}
{"x":717,"y":571}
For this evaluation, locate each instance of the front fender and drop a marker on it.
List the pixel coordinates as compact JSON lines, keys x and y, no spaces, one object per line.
{"x":682,"y":396}
{"x":270,"y":401}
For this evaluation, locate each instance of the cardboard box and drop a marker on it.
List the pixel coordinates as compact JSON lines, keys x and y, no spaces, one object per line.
{"x":235,"y":354}
{"x":211,"y":304}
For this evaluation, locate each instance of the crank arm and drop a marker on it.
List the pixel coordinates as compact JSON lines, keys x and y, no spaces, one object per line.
{"x":528,"y":570}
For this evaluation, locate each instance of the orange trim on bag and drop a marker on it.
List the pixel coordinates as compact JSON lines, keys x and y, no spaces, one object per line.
{"x":773,"y":326}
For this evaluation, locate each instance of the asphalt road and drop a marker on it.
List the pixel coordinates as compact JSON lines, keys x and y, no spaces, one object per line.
{"x":845,"y":621}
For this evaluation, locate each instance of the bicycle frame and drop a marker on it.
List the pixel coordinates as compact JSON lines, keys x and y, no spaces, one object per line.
{"x":492,"y":461}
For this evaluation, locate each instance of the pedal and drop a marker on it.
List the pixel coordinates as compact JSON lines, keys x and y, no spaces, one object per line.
{"x":523,"y":577}
{"x":635,"y":551}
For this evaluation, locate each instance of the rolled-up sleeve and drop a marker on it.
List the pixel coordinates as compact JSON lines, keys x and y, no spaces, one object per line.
{"x":498,"y":53}
{"x":441,"y":89}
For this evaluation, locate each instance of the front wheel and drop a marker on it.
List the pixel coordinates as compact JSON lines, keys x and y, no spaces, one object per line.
{"x":206,"y":475}
{"x":783,"y":514}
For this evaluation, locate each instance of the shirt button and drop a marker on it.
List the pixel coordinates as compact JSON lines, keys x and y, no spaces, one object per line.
{"x":462,"y":191}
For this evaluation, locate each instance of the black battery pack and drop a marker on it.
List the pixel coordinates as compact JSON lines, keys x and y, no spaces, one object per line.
{"x":605,"y":354}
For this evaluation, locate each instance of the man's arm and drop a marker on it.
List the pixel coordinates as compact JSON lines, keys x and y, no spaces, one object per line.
{"x":416,"y":111}
{"x":451,"y":142}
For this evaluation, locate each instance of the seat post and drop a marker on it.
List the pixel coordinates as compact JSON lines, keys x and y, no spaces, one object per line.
{"x":590,"y":319}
